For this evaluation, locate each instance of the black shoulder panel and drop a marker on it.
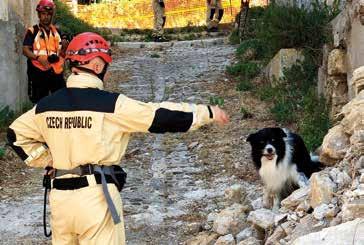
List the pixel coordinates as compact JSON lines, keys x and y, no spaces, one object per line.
{"x":78,"y":99}
{"x":171,"y":121}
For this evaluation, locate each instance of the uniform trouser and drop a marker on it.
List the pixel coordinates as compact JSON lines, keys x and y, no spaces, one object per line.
{"x":82,"y":217}
{"x":42,"y":83}
{"x":159,"y":17}
{"x":214,"y":13}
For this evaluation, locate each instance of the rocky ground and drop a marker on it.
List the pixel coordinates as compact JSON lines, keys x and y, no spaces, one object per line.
{"x":174,"y":180}
{"x":199,"y":187}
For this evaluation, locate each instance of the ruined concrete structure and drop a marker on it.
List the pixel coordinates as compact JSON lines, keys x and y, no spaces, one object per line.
{"x":15,"y":16}
{"x":340,"y":77}
{"x":338,"y":81}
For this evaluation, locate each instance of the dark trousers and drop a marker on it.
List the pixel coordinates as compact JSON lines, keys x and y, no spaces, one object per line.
{"x":42,"y":83}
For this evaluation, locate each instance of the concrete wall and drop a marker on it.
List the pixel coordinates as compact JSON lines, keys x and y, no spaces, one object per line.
{"x":284,"y":59}
{"x":348,"y":32}
{"x":15,"y":17}
{"x":337,"y":79}
{"x":355,"y":56}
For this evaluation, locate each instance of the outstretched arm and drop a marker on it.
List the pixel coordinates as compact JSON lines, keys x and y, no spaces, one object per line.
{"x":136,"y":116}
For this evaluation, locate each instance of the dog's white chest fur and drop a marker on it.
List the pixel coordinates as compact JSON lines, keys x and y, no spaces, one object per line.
{"x":275,"y":175}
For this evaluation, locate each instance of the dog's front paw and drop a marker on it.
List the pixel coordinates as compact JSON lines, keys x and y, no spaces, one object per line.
{"x":275,"y":208}
{"x":267,"y":200}
{"x":276,"y":204}
{"x":266,"y":204}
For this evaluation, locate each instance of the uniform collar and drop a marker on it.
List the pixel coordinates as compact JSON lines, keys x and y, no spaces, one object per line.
{"x":84,"y":80}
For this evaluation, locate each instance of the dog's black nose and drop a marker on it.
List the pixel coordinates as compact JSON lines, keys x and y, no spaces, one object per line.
{"x":270,"y":150}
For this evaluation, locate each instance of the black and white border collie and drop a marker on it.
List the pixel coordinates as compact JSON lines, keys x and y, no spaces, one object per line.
{"x":283,"y":163}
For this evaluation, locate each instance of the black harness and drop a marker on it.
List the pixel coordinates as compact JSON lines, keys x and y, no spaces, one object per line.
{"x":112,"y":174}
{"x":47,"y":186}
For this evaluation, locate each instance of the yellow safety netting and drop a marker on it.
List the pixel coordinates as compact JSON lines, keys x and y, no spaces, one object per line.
{"x":138,"y":13}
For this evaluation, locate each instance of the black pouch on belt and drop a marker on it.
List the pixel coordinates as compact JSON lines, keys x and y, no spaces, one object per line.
{"x":120,"y":177}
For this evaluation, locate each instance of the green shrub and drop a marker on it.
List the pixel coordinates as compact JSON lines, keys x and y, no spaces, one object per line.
{"x":293,"y":97}
{"x":248,"y":69}
{"x":69,"y":24}
{"x":155,"y":55}
{"x":314,"y":122}
{"x":244,"y":85}
{"x":114,"y":39}
{"x":6,"y":116}
{"x":254,"y":44}
{"x":294,"y":100}
{"x":216,"y":101}
{"x":186,"y":37}
{"x":149,"y":37}
{"x":283,"y":110}
{"x":294,"y":27}
{"x":234,"y":37}
{"x":265,"y":92}
{"x":253,"y":20}
{"x":246,"y":113}
{"x":256,"y":12}
{"x":243,"y":110}
{"x":2,"y":152}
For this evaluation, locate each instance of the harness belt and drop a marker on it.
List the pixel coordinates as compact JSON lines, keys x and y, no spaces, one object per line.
{"x":103,"y":175}
{"x":102,"y":170}
{"x":80,"y":170}
{"x":78,"y":182}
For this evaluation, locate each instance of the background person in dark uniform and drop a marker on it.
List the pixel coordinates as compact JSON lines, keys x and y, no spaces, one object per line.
{"x":44,"y":47}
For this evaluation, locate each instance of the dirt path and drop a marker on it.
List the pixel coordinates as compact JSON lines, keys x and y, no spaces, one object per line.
{"x":174,"y":180}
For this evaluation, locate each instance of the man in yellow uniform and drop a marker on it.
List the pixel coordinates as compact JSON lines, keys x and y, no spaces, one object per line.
{"x":215,"y":12}
{"x":82,"y":132}
{"x":159,"y":20}
{"x":44,"y":47}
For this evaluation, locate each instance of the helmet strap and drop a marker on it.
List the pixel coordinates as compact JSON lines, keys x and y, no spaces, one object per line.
{"x":101,"y":75}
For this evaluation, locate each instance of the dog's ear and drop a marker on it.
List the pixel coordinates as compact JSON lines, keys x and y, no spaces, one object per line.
{"x":251,"y":138}
{"x":282,"y":133}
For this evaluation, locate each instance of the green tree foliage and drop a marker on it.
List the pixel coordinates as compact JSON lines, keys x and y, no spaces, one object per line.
{"x":294,"y":27}
{"x":68,"y":23}
{"x":293,"y":97}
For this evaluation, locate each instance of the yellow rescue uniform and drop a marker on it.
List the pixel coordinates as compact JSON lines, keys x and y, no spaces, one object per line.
{"x":83,"y":124}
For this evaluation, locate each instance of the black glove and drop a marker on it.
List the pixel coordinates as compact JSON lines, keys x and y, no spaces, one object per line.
{"x":53,"y":58}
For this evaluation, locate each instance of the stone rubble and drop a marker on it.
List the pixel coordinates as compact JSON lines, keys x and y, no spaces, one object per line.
{"x":160,"y":198}
{"x":330,"y":210}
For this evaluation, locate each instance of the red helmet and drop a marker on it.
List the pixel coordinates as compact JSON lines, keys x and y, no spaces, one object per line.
{"x":86,"y":46}
{"x":45,"y":5}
